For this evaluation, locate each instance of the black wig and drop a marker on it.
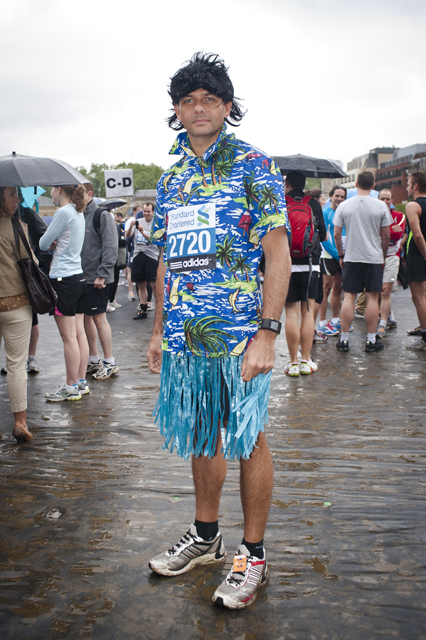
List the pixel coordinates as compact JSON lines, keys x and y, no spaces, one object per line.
{"x":204,"y":71}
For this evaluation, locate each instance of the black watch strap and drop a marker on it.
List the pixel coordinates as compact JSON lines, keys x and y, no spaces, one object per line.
{"x":271,"y":325}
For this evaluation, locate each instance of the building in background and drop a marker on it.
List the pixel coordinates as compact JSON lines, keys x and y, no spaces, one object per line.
{"x":392,"y":174}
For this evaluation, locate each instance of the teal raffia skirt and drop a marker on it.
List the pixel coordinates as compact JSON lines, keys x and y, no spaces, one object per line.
{"x":200,"y":395}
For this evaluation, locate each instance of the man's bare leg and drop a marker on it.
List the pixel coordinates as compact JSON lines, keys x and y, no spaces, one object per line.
{"x":292,"y":329}
{"x":307,"y":327}
{"x":336,"y":296}
{"x":209,"y":475}
{"x":256,"y":483}
{"x":347,"y":311}
{"x":372,"y":311}
{"x":418,"y":294}
{"x":92,"y":335}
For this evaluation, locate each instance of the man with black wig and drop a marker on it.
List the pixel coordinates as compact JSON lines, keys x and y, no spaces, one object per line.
{"x":217,"y":209}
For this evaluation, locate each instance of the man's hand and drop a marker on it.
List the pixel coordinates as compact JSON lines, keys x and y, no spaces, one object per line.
{"x":53,"y":246}
{"x":99,"y":283}
{"x":260,"y":355}
{"x":155,"y":354}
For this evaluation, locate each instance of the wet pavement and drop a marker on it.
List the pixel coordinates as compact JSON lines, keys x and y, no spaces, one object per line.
{"x":93,"y":497}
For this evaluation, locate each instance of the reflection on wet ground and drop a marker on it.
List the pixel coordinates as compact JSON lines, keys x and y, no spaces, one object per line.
{"x":93,"y":497}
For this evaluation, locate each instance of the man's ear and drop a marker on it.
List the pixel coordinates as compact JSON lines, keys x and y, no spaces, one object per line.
{"x":176,"y":110}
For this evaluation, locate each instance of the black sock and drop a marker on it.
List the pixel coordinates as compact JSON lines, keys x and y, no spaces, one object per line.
{"x":144,"y":307}
{"x":424,"y":335}
{"x":255,"y":548}
{"x":206,"y":530}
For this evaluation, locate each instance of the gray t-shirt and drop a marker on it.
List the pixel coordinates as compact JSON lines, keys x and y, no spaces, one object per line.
{"x":363,"y":217}
{"x":141,"y":244}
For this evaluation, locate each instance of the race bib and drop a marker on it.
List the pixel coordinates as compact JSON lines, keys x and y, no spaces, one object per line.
{"x":191,"y":238}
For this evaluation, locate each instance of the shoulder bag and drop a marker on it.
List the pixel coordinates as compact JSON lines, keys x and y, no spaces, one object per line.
{"x":40,"y":292}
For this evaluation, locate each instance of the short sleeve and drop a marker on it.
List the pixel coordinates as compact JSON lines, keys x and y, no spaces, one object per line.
{"x":338,"y":220}
{"x":159,"y":223}
{"x":264,"y":190}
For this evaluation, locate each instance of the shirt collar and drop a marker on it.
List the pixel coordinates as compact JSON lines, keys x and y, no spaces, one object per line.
{"x":181,"y":145}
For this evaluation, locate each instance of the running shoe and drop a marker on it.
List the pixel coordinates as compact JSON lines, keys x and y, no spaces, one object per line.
{"x":417,"y":345}
{"x":110,"y":308}
{"x":330,"y":329}
{"x":415,"y":332}
{"x":342,"y":345}
{"x":311,"y":363}
{"x":92,"y":367}
{"x":305,"y":369}
{"x":131,"y":296}
{"x":106,"y":371}
{"x":83,"y":387}
{"x":338,"y":325}
{"x":391,"y":324}
{"x":292,"y":369}
{"x":4,"y":371}
{"x":372,"y":347}
{"x":319,"y":337}
{"x":239,"y":588}
{"x":62,"y":394}
{"x":141,"y":315}
{"x":32,"y":365}
{"x":116,"y":305}
{"x":381,"y":331}
{"x":358,"y":313}
{"x":190,"y":551}
{"x":150,"y":306}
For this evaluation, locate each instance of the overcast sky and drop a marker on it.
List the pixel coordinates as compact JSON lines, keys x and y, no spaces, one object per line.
{"x":86,"y":80}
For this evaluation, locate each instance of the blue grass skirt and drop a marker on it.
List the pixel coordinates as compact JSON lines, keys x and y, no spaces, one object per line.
{"x":197,"y":394}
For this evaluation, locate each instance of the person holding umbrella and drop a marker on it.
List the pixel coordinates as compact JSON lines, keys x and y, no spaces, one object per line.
{"x":15,"y":314}
{"x":65,"y":236}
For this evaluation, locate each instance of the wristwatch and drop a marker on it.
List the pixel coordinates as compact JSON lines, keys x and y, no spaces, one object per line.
{"x":342,"y":256}
{"x":271,"y":325}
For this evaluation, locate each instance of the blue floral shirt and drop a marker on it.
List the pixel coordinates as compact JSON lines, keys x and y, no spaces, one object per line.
{"x":211,"y":214}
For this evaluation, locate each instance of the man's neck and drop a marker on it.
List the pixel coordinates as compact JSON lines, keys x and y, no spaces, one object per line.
{"x":419,"y":195}
{"x":200,"y":144}
{"x":363,"y":192}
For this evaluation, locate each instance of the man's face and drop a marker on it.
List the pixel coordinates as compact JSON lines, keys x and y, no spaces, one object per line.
{"x":410,"y":188}
{"x":386,"y":197}
{"x":202,"y":113}
{"x":148,"y":213}
{"x":337,"y":197}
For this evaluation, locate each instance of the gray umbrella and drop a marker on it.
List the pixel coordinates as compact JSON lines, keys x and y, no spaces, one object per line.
{"x":310,"y":167}
{"x":29,"y":171}
{"x":113,"y":204}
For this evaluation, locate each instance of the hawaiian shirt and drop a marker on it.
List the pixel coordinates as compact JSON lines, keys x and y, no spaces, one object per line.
{"x":211,"y":214}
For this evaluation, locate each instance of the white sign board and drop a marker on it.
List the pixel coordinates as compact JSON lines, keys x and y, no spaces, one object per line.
{"x":118,"y":182}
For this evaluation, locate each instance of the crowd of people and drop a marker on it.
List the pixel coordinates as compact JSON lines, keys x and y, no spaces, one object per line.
{"x":80,"y":252}
{"x":364,"y":247}
{"x":222,"y":216}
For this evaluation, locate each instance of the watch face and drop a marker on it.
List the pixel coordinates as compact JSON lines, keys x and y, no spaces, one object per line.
{"x":274,"y":325}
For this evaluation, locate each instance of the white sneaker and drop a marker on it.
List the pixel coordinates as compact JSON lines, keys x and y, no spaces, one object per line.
{"x":292,"y":369}
{"x":109,"y":308}
{"x":307,"y":367}
{"x":116,"y":305}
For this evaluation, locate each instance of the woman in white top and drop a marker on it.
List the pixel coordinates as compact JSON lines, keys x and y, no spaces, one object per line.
{"x":65,"y":237}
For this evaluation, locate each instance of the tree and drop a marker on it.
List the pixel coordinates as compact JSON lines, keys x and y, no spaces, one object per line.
{"x":145,"y":176}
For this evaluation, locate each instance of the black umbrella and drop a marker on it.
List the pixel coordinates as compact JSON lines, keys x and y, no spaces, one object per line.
{"x":113,"y":204}
{"x":29,"y":171}
{"x":310,"y":167}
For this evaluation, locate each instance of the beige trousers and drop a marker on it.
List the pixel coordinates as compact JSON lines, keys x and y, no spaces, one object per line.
{"x":15,"y":328}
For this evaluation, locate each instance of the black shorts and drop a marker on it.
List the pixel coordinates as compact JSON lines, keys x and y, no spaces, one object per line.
{"x":416,"y":268}
{"x":71,"y":292}
{"x":357,"y":276}
{"x":96,"y":301}
{"x":144,"y":268}
{"x":298,"y":286}
{"x":330,"y":266}
{"x":320,"y":294}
